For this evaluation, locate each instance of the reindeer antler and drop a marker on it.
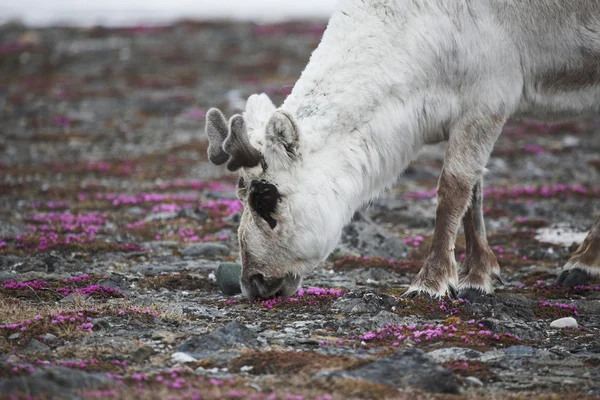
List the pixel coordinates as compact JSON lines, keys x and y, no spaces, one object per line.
{"x":229,"y":145}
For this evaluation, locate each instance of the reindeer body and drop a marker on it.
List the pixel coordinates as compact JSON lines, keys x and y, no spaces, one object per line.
{"x":390,"y":76}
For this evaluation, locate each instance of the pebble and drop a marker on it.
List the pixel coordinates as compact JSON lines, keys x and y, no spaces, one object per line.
{"x":568,"y":322}
{"x":181,"y":357}
{"x":473,"y":381}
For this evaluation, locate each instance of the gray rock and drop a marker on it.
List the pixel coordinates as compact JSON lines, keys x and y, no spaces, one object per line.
{"x":364,"y":236}
{"x":567,"y":322}
{"x":520,"y":351}
{"x":161,"y":216}
{"x":14,"y":336}
{"x":114,"y":281}
{"x":142,"y":354}
{"x":6,"y":275}
{"x":101,"y":323}
{"x":232,"y":335}
{"x":364,"y":302}
{"x":54,"y":383}
{"x":454,"y":353}
{"x":412,"y":368}
{"x":35,"y":346}
{"x":473,"y":381}
{"x":206,"y":250}
{"x":48,"y":337}
{"x":228,"y":278}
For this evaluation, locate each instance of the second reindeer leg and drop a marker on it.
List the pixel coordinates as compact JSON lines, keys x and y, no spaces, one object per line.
{"x":469,"y":147}
{"x":480,"y":268}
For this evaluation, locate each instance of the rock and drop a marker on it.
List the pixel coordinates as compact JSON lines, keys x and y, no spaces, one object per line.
{"x":54,"y":383}
{"x":561,"y":323}
{"x":48,"y":337}
{"x":232,"y":335}
{"x":206,"y":250}
{"x":454,"y":353}
{"x":412,"y":368}
{"x":101,"y":323}
{"x":367,"y":238}
{"x":6,"y":275}
{"x":473,"y":381}
{"x":164,"y":336}
{"x":182,"y":357}
{"x":14,"y":336}
{"x":142,"y":354}
{"x":161,"y":216}
{"x":364,"y":302}
{"x":520,"y":351}
{"x":114,"y":281}
{"x":381,"y":320}
{"x":228,"y":278}
{"x":35,"y":346}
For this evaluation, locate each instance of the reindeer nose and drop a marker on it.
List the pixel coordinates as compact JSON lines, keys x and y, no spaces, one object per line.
{"x":262,"y":287}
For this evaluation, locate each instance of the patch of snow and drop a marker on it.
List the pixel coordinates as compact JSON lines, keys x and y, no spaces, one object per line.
{"x":560,"y":236}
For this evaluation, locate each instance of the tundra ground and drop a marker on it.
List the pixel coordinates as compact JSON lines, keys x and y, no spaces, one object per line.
{"x":113,"y":223}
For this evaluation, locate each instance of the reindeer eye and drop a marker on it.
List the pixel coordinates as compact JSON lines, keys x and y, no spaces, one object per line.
{"x":263,"y":199}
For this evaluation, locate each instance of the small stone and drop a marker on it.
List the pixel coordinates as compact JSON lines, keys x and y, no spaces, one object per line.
{"x":101,"y":323}
{"x":206,"y":250}
{"x":181,"y":357}
{"x":142,"y":354}
{"x":164,"y":336}
{"x":568,"y":322}
{"x":48,"y":337}
{"x":35,"y":346}
{"x":228,"y":278}
{"x":473,"y":381}
{"x":15,"y":336}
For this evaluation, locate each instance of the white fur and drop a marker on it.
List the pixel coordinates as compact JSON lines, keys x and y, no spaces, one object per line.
{"x":390,"y":76}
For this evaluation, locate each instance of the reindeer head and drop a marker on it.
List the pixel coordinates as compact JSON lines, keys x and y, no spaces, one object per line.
{"x":289,"y":223}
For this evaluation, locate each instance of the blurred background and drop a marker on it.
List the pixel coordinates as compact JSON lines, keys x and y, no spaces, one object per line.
{"x":115,"y":12}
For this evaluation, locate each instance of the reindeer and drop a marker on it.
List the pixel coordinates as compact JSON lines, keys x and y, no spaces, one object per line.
{"x":388,"y":77}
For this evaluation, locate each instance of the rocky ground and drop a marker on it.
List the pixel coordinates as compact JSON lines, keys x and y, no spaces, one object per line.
{"x":113,"y":224}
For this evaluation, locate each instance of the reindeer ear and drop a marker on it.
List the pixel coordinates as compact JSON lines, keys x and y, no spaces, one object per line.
{"x":282,"y":135}
{"x":243,"y":154}
{"x":216,"y":130}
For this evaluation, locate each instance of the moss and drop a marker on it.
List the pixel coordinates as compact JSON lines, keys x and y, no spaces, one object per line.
{"x":179,"y":282}
{"x":291,"y":362}
{"x":465,"y":368}
{"x":352,"y":262}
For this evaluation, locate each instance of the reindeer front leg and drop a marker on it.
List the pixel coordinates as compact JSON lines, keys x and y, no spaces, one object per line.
{"x":469,"y":148}
{"x":480,"y":267}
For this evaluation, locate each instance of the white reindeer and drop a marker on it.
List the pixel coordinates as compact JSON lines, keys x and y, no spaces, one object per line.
{"x":388,"y":77}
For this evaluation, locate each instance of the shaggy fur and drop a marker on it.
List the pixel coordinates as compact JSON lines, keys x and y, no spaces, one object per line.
{"x":388,"y":77}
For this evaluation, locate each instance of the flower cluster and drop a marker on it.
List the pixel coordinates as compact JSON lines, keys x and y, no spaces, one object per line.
{"x":468,"y":333}
{"x":415,"y":241}
{"x":310,"y":296}
{"x":92,"y":290}
{"x":561,"y":306}
{"x":14,"y":284}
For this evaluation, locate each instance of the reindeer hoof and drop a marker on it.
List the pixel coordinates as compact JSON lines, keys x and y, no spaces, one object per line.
{"x":471,"y":294}
{"x":573,"y":277}
{"x":413,"y":294}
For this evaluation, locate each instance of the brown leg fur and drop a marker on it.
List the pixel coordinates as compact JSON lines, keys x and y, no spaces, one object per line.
{"x":480,"y":266}
{"x":584,"y":264}
{"x":469,"y":148}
